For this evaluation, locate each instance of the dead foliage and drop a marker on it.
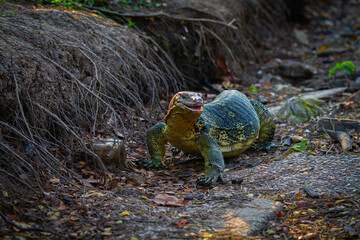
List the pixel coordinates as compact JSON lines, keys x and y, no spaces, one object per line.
{"x":202,"y":32}
{"x":66,"y":77}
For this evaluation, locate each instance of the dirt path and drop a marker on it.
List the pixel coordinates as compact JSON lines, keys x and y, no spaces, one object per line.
{"x":129,"y":207}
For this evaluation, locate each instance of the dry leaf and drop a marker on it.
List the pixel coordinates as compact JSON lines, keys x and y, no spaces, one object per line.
{"x":62,"y":206}
{"x":124,"y":214}
{"x":222,"y":63}
{"x":167,"y":200}
{"x":54,"y":180}
{"x":73,"y":218}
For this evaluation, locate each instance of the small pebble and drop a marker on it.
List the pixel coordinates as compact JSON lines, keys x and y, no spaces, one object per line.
{"x":237,"y":181}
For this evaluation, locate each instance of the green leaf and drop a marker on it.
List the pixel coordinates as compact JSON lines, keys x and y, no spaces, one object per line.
{"x":351,"y":64}
{"x":253,"y":89}
{"x":300,"y":147}
{"x":346,"y":65}
{"x":118,"y":222}
{"x":130,"y":24}
{"x":348,"y":69}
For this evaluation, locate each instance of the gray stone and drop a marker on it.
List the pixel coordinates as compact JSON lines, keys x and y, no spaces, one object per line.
{"x":333,"y":124}
{"x":291,"y":69}
{"x":323,"y":93}
{"x":283,"y":89}
{"x":316,"y":95}
{"x":298,"y":110}
{"x":331,"y":51}
{"x":136,"y":178}
{"x":251,"y":218}
{"x":357,"y":82}
{"x":301,"y":36}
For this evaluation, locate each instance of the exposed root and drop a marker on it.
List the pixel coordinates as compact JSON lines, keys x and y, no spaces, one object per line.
{"x":68,"y":78}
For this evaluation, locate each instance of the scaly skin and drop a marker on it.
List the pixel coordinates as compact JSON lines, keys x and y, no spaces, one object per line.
{"x":267,"y":127}
{"x":223,"y":128}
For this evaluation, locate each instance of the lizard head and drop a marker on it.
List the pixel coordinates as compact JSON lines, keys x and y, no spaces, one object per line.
{"x":188,"y":103}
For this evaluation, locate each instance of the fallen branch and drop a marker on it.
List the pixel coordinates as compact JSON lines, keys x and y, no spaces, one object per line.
{"x":162,"y":14}
{"x":343,"y":138}
{"x":107,"y":174}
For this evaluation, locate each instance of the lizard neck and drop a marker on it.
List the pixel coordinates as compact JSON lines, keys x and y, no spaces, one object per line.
{"x":181,"y":124}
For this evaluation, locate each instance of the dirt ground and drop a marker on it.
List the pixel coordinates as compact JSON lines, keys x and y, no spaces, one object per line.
{"x":130,"y":206}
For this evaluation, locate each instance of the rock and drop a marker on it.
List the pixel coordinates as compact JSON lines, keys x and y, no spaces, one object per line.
{"x":343,"y":138}
{"x":301,"y":36}
{"x":357,"y":82}
{"x":316,"y":95}
{"x":136,"y":178}
{"x":299,"y":110}
{"x":322,"y":93}
{"x":333,"y":124}
{"x":251,"y":217}
{"x":291,"y":69}
{"x":309,"y":191}
{"x":110,"y":151}
{"x":272,"y":78}
{"x":283,"y":89}
{"x":331,"y":51}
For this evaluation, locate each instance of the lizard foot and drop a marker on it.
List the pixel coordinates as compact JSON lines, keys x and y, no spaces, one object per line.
{"x":152,"y":164}
{"x":209,"y":178}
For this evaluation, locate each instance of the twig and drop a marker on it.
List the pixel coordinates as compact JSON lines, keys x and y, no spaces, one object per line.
{"x":20,"y":106}
{"x":7,"y":220}
{"x":329,"y":149}
{"x":45,"y":150}
{"x":77,"y":137}
{"x":162,"y":14}
{"x":222,"y":42}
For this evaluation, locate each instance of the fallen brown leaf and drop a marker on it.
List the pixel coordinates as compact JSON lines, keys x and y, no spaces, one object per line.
{"x":167,"y":200}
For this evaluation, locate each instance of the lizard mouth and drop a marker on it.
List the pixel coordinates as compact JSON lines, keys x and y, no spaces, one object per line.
{"x":195,"y":108}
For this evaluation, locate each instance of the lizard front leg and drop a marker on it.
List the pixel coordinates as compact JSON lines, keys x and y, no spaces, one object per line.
{"x":214,"y":160}
{"x":156,"y":145}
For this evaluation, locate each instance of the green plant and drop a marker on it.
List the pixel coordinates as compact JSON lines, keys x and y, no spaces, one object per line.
{"x":253,"y":89}
{"x":346,"y":65}
{"x":146,"y":3}
{"x":69,"y":3}
{"x":300,"y":147}
{"x":130,"y":24}
{"x":125,"y":3}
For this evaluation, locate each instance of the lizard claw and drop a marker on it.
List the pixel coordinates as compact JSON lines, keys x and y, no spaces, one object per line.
{"x":209,"y":178}
{"x":204,"y":181}
{"x":152,"y":164}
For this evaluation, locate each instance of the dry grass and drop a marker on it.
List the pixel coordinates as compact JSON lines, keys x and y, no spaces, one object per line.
{"x":66,"y":76}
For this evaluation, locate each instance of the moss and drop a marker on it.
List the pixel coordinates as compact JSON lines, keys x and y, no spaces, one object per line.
{"x":298,"y":110}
